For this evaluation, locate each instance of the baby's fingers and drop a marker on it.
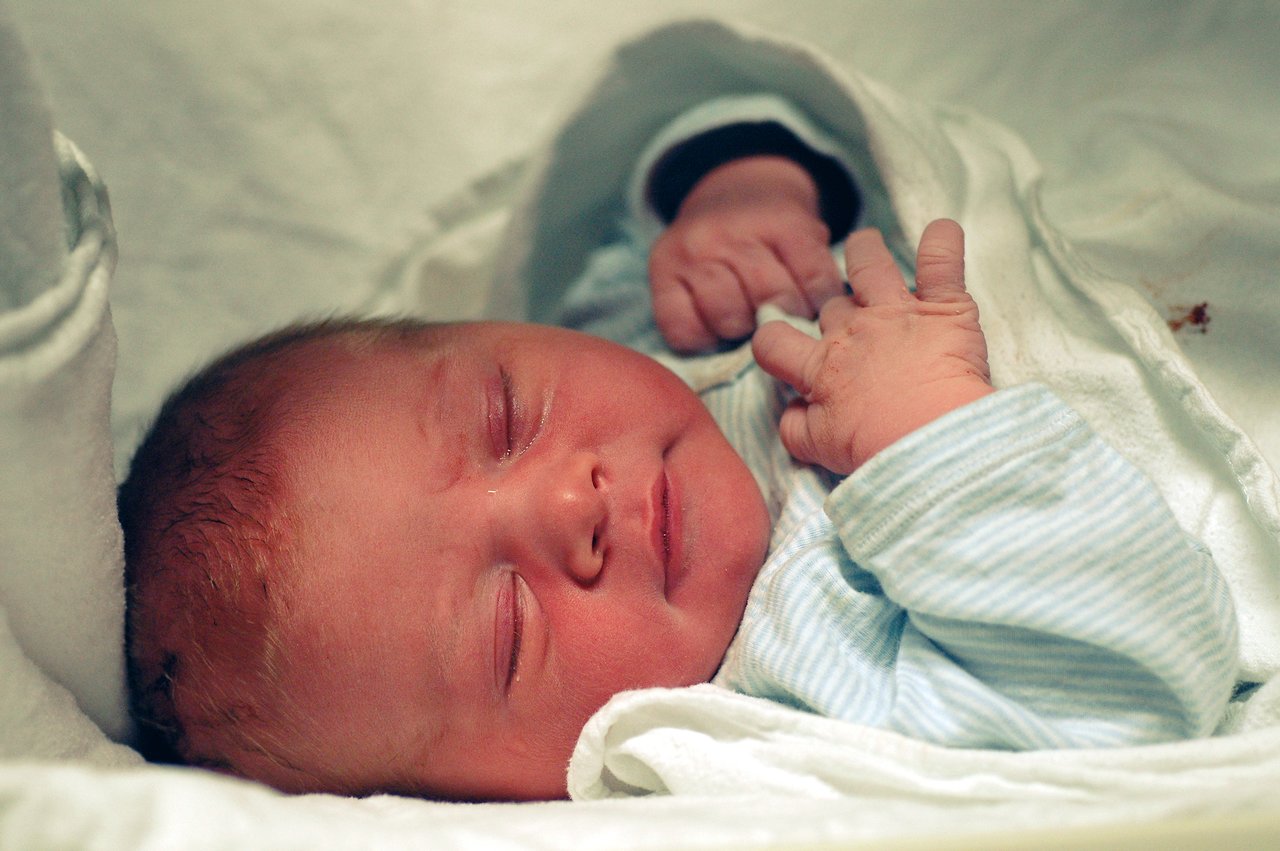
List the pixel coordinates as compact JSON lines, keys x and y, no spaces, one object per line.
{"x":873,"y":274}
{"x":940,"y":262}
{"x":677,"y":316}
{"x":720,"y":300}
{"x":787,"y":354}
{"x":811,"y":266}
{"x":794,"y":431}
{"x":765,"y":279}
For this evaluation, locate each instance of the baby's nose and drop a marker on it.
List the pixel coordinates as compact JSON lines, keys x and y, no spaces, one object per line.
{"x":574,"y":515}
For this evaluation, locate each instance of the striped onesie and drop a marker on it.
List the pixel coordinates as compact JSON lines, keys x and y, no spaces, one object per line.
{"x":1000,"y":578}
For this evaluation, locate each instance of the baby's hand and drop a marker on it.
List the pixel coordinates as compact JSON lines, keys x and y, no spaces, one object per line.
{"x":748,"y":233}
{"x":889,"y":361}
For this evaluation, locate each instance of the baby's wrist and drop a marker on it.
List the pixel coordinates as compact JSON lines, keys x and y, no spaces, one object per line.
{"x":926,"y":406}
{"x":753,"y":179}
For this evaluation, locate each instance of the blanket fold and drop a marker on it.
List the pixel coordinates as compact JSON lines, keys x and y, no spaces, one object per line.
{"x":61,"y":581}
{"x":705,"y":741}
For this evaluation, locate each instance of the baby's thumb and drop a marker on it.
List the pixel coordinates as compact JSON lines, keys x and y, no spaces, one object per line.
{"x":784,"y":351}
{"x":794,"y":431}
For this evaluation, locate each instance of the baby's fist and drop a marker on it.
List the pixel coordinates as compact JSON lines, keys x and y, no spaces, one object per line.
{"x":749,"y":233}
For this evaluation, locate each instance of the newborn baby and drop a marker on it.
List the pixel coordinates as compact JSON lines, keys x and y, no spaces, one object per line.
{"x":391,"y":556}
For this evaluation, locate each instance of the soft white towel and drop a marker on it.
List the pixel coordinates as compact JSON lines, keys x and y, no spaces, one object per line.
{"x":706,"y":741}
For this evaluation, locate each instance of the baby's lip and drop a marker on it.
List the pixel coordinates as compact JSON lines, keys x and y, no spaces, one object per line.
{"x":665,"y":529}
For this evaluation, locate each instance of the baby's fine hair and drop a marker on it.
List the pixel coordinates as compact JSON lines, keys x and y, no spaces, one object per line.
{"x":210,"y":549}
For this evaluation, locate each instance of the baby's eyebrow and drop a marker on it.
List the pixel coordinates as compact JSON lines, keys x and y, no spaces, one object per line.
{"x":448,"y":647}
{"x":462,"y":642}
{"x":451,"y":394}
{"x":452,"y":621}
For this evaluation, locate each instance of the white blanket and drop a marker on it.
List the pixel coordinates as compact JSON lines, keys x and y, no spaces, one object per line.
{"x":61,"y":589}
{"x":704,"y":741}
{"x":248,"y":193}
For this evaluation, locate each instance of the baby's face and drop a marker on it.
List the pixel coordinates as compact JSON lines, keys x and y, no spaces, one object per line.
{"x":502,"y":526}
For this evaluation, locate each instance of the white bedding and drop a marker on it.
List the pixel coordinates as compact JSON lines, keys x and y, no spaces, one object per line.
{"x":265,"y":162}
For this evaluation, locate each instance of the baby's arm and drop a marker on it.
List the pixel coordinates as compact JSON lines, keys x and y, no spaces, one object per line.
{"x":1051,"y":597}
{"x":750,"y":232}
{"x":889,"y":361}
{"x":1048,"y":596}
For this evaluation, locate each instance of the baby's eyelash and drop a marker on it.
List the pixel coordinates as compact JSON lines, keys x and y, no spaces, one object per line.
{"x":517,"y":629}
{"x":508,"y":404}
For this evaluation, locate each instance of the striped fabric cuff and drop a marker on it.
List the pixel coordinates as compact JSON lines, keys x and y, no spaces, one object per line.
{"x":922,"y":469}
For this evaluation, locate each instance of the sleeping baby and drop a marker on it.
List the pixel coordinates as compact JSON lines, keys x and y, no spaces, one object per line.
{"x":393,"y":556}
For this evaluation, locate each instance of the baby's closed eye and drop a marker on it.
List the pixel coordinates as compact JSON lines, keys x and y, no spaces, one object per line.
{"x":508,"y":631}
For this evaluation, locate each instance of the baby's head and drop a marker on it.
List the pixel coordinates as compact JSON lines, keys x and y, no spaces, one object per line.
{"x":398,"y":557}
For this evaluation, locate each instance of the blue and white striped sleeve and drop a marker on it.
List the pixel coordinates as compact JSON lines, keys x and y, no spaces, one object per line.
{"x":1051,"y":598}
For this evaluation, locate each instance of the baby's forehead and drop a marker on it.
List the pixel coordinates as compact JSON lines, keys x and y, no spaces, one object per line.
{"x":369,"y":351}
{"x":321,"y":367}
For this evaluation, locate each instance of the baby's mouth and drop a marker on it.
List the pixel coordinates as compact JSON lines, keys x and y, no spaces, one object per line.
{"x":667,"y":530}
{"x":666,"y":525}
